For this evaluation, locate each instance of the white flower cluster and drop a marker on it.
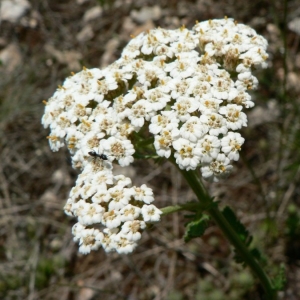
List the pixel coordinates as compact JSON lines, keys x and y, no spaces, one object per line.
{"x":112,"y":203}
{"x":186,"y":87}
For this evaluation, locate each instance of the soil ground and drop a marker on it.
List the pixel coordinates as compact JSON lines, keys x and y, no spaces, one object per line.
{"x":39,"y":260}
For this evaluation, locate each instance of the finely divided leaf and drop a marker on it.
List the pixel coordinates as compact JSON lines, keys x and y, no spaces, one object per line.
{"x":196,"y":227}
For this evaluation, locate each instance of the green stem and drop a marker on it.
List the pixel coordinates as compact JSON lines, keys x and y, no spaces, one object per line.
{"x":194,"y":181}
{"x":192,"y":206}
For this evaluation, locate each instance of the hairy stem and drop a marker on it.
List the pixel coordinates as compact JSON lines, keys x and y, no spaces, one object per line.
{"x":193,"y":179}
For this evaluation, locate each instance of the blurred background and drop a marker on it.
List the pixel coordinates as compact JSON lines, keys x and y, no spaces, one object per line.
{"x":41,"y":42}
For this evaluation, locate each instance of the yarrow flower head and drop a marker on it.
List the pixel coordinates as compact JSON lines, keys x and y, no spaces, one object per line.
{"x":174,"y":84}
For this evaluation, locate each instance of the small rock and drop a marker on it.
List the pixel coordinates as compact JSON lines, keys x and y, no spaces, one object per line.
{"x":80,"y":2}
{"x":183,"y":9}
{"x":56,"y":244}
{"x":294,"y":25}
{"x":257,"y":21}
{"x":275,"y":43}
{"x":70,"y":58}
{"x":85,"y":293}
{"x":273,"y":30}
{"x":13,"y":10}
{"x":108,"y":56}
{"x":147,"y":26}
{"x":261,"y":115}
{"x":11,"y":57}
{"x":172,"y":21}
{"x":61,"y":177}
{"x":3,"y":42}
{"x":293,"y":80}
{"x":92,"y":13}
{"x":297,"y":61}
{"x":86,"y":34}
{"x":32,"y":20}
{"x":48,"y":198}
{"x":147,"y":14}
{"x":128,"y":27}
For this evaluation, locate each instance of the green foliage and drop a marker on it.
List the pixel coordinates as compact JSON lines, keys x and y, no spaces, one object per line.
{"x":239,"y":283}
{"x":207,"y":290}
{"x":46,"y":268}
{"x":270,"y":227}
{"x":240,"y":229}
{"x":104,"y":3}
{"x":257,"y":254}
{"x":242,"y":279}
{"x":243,"y":234}
{"x":279,"y":281}
{"x":293,"y":221}
{"x":9,"y":282}
{"x":196,"y":227}
{"x":175,"y":295}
